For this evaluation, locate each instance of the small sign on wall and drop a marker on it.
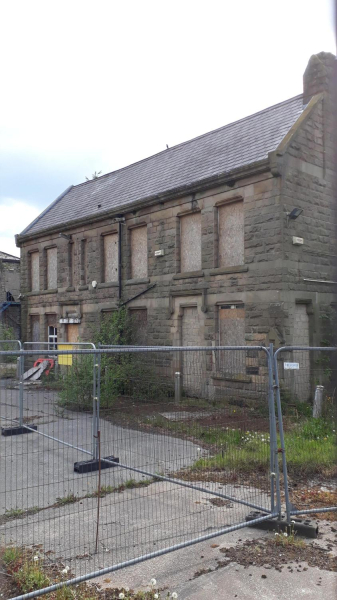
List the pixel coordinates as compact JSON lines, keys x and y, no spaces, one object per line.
{"x":291,"y":365}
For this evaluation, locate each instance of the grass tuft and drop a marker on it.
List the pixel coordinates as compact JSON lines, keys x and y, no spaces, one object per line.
{"x":70,"y":499}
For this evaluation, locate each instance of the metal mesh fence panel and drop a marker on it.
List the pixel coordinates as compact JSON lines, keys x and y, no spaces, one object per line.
{"x":179,"y":446}
{"x":306,"y":393}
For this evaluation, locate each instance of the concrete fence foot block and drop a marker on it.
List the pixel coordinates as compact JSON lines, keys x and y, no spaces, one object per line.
{"x":18,"y":430}
{"x":87,"y":466}
{"x":301,"y":526}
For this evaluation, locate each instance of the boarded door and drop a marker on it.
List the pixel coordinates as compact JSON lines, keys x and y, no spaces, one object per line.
{"x":72,"y":338}
{"x":301,"y":377}
{"x":139,"y":326}
{"x":232,"y":333}
{"x":192,"y":362}
{"x":72,"y":334}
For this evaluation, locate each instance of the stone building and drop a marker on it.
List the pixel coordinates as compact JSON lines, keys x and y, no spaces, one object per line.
{"x":201,"y":240}
{"x":9,"y":294}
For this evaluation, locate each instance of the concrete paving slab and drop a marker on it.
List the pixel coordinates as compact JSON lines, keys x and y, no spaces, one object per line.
{"x":35,"y":470}
{"x":184,"y":415}
{"x":234,"y":581}
{"x":132,"y":523}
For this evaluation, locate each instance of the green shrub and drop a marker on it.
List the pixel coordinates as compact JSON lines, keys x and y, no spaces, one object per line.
{"x":30,"y":577}
{"x":7,"y":333}
{"x":77,"y":383}
{"x":122,"y":374}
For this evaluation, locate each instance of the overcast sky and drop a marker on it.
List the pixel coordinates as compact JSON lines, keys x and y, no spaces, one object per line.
{"x":97,"y":85}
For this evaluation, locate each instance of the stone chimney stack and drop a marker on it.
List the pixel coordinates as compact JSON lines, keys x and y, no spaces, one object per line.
{"x":318,"y":75}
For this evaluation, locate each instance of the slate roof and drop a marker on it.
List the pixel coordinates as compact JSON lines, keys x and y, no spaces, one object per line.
{"x":216,"y":153}
{"x":5,"y":256}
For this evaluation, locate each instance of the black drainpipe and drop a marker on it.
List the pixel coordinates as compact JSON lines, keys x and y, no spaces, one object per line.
{"x":119,"y":260}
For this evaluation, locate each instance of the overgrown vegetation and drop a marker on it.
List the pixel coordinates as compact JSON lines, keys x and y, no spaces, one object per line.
{"x":30,"y":571}
{"x":122,"y":374}
{"x":310,"y":446}
{"x":310,"y":449}
{"x":7,"y":333}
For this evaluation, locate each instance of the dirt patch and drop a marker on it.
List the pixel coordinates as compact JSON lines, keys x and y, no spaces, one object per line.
{"x":307,"y":497}
{"x":255,"y":479}
{"x":127,"y":413}
{"x":269,"y":554}
{"x":8,"y":588}
{"x":219,"y":502}
{"x":242,"y":420}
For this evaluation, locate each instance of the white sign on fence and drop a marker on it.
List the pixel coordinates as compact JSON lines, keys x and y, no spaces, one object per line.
{"x":289,"y":365}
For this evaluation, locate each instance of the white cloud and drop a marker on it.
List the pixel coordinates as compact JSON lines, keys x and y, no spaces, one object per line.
{"x":97,"y":86}
{"x":15,"y":216}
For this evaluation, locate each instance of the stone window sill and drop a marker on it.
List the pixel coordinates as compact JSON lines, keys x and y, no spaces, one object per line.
{"x":238,"y":378}
{"x":81,"y":288}
{"x":188,"y":275}
{"x":224,"y":270}
{"x":137,"y":281}
{"x":42,"y":292}
{"x":107,"y":284}
{"x":70,"y":289}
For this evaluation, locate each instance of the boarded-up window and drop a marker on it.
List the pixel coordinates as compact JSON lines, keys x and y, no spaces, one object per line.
{"x":35,"y":328}
{"x":51,"y":268}
{"x":110,"y":243}
{"x":71,"y":264}
{"x":83,"y":274}
{"x":190,"y":242}
{"x":138,"y":252}
{"x":231,"y":235}
{"x":232,"y":333}
{"x":35,"y":271}
{"x":139,"y":326}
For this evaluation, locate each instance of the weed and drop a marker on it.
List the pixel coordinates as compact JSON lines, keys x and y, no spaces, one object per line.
{"x":14,"y":512}
{"x":29,"y":572}
{"x":11,"y":555}
{"x":129,"y":484}
{"x":30,"y":577}
{"x":315,"y":429}
{"x":288,"y":539}
{"x":70,"y":499}
{"x":64,"y":593}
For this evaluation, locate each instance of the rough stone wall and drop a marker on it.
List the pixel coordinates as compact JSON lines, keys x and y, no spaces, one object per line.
{"x":9,"y":279}
{"x":268,"y":280}
{"x":308,"y":184}
{"x":261,"y":271}
{"x":10,"y":282}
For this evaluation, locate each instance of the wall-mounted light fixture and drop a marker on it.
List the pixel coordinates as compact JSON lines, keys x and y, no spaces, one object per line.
{"x":296,"y":212}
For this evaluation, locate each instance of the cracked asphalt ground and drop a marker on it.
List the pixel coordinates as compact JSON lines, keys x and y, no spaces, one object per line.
{"x":37,"y":471}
